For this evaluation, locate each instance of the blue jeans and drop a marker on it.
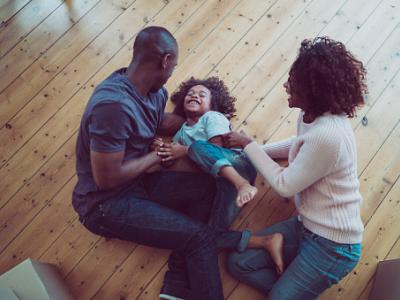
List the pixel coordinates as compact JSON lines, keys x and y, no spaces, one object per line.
{"x":170,"y":210}
{"x":210,"y":158}
{"x":313,"y":263}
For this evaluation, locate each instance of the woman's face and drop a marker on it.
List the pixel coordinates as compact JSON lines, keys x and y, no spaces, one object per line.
{"x":197,"y":100}
{"x":294,"y":99}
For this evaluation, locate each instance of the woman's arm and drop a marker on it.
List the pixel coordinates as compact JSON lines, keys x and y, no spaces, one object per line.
{"x":279,"y":149}
{"x":313,"y":161}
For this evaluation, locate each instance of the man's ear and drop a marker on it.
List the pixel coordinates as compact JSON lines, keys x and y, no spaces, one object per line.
{"x":165,"y":60}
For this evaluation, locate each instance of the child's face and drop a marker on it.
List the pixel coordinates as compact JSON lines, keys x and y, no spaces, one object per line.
{"x":197,"y":100}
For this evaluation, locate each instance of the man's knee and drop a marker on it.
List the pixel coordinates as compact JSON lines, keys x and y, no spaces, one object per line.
{"x":202,"y":238}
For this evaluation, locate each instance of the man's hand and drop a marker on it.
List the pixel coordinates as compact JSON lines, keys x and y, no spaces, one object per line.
{"x":235,"y":139}
{"x":156,"y":144}
{"x":172,"y":151}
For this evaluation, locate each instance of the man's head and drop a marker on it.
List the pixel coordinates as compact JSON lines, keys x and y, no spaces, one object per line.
{"x":156,"y":49}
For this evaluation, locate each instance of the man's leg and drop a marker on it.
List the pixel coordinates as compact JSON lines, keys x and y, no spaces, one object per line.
{"x":148,"y":223}
{"x":189,"y":193}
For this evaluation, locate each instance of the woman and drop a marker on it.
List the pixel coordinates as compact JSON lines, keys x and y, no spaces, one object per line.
{"x":323,"y":243}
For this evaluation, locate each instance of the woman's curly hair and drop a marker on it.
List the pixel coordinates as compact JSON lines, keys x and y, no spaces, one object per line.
{"x":221,"y":100}
{"x":327,"y":78}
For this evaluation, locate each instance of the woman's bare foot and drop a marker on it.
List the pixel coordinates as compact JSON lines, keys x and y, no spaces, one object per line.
{"x":274,"y":245}
{"x":246,"y":192}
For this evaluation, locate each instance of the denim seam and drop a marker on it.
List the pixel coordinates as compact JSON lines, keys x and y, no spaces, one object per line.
{"x":218,"y":165}
{"x":244,"y":241}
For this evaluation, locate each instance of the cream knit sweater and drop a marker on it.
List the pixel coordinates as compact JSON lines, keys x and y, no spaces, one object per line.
{"x":321,"y":175}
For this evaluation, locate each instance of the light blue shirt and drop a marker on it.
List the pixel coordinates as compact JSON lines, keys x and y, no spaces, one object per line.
{"x":210,"y":124}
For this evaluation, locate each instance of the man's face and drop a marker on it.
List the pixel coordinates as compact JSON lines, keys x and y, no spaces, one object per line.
{"x":169,"y":62}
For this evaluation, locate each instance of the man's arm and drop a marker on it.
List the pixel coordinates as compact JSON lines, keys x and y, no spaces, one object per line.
{"x":110,"y":171}
{"x":170,"y":124}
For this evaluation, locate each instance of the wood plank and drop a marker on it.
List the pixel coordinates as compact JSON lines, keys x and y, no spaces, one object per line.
{"x":54,"y":95}
{"x":31,"y":199}
{"x":204,"y":21}
{"x":48,"y":66}
{"x":70,"y":245}
{"x":66,"y":252}
{"x":378,"y":240}
{"x":274,"y":66}
{"x":260,"y":210}
{"x":393,"y":254}
{"x":373,"y":135}
{"x":63,"y":127}
{"x":9,"y":8}
{"x":70,"y":167}
{"x":375,"y":183}
{"x":258,"y":41}
{"x":49,"y":223}
{"x":220,"y":41}
{"x":271,"y":104}
{"x":39,"y":40}
{"x":259,"y":123}
{"x":385,"y":63}
{"x":381,"y":173}
{"x":120,"y":60}
{"x":71,"y":115}
{"x":131,"y":278}
{"x":65,"y":85}
{"x":29,"y":17}
{"x":97,"y":265}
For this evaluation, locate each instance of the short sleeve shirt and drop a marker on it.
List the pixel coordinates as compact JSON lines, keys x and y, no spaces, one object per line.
{"x":117,"y":118}
{"x":211,"y":124}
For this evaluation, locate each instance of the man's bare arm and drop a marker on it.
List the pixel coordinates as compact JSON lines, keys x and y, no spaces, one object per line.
{"x":170,"y":124}
{"x":110,"y":171}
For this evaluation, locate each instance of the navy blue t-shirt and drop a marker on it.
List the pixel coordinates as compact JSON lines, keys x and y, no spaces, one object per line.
{"x":116,"y":118}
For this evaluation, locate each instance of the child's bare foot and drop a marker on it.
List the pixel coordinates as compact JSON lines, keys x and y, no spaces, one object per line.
{"x":274,"y":245}
{"x":246,"y":193}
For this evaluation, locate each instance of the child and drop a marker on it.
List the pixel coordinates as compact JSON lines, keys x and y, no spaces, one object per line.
{"x":207,"y":107}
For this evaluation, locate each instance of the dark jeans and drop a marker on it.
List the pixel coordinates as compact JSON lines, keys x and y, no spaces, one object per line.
{"x":170,"y":210}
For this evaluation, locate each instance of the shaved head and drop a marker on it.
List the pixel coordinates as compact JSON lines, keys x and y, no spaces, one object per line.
{"x":153,"y":42}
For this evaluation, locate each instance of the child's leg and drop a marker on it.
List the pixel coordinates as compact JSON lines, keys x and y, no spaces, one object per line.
{"x":246,"y":191}
{"x":218,"y":161}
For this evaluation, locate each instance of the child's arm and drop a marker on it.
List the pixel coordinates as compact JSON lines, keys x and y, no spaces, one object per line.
{"x":172,"y":151}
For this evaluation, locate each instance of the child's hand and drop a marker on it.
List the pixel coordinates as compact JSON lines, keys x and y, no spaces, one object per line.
{"x":156,"y":144}
{"x":172,"y":151}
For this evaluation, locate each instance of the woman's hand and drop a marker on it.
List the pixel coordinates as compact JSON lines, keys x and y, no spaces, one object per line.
{"x":235,"y":139}
{"x":171,"y":151}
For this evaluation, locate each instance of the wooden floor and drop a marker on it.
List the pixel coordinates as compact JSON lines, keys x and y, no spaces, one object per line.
{"x":52,"y":55}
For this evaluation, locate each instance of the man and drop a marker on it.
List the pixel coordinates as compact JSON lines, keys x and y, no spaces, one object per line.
{"x":115,"y":197}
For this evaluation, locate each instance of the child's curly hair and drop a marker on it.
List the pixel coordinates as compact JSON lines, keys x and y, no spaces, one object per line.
{"x":221,"y":100}
{"x":328,"y":78}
